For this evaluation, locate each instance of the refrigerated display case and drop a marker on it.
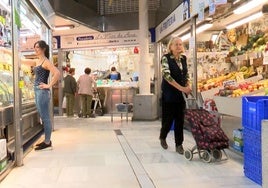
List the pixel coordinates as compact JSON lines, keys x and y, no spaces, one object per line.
{"x":19,"y":119}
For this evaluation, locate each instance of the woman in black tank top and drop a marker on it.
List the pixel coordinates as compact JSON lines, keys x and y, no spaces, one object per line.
{"x":42,"y":69}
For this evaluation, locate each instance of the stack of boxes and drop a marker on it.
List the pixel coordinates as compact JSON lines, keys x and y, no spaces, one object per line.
{"x":3,"y":154}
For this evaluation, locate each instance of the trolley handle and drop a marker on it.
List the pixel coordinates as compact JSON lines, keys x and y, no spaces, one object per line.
{"x":192,"y":99}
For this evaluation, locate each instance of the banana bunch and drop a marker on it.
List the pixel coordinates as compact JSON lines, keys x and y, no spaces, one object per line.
{"x":230,"y":76}
{"x":247,"y":71}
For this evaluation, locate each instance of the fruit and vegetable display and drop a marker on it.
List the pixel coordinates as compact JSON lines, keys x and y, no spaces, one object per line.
{"x":205,"y":85}
{"x":238,"y":90}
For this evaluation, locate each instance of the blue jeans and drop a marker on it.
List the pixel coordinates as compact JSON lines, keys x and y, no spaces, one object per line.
{"x":42,"y":101}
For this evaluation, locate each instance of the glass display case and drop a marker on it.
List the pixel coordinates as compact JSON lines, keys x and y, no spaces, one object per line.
{"x":6,"y":78}
{"x":17,"y":105}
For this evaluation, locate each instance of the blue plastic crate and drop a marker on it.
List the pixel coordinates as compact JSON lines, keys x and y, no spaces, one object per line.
{"x":252,"y":155}
{"x":254,"y":110}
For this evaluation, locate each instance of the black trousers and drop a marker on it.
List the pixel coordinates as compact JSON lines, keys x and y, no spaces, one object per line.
{"x":173,"y":111}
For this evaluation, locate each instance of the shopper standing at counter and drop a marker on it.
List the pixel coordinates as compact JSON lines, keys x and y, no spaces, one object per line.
{"x":70,"y":89}
{"x":114,"y":75}
{"x":86,"y":86}
{"x":42,"y":68}
{"x":174,"y":84}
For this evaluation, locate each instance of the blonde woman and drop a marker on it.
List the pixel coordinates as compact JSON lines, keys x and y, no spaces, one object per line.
{"x":174,"y":83}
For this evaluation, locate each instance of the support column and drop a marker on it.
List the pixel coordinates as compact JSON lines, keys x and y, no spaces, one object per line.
{"x":145,"y":105}
{"x":144,"y":67}
{"x":17,"y":117}
{"x":194,"y":56}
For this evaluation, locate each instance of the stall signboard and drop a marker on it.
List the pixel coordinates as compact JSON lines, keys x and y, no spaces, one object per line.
{"x":100,"y":39}
{"x":169,"y":24}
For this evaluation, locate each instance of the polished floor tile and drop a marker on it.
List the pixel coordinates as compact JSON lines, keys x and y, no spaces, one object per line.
{"x":97,"y":153}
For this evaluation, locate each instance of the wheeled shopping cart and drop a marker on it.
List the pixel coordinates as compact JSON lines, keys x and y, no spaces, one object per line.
{"x":209,"y":137}
{"x":97,"y":105}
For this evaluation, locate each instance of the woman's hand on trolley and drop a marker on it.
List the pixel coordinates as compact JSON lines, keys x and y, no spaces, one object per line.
{"x":187,"y":90}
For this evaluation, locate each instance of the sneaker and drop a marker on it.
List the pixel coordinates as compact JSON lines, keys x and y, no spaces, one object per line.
{"x":163,"y":143}
{"x":41,"y":143}
{"x":43,"y":146}
{"x":179,"y":149}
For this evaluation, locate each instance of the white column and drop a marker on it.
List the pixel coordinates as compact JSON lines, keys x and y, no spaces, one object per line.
{"x":144,"y":63}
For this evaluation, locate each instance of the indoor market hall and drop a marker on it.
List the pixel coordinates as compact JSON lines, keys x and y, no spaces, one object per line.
{"x":94,"y":152}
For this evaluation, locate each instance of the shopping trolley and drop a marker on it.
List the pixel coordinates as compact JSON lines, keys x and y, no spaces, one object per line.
{"x":97,"y":105}
{"x":209,"y":137}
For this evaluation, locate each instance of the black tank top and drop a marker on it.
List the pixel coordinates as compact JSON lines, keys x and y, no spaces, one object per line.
{"x":41,"y":75}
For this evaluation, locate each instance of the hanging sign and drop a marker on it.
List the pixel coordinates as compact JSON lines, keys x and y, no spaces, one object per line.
{"x":212,"y":7}
{"x":100,"y":39}
{"x":220,"y":2}
{"x":201,"y":11}
{"x":169,"y":24}
{"x":186,"y":9}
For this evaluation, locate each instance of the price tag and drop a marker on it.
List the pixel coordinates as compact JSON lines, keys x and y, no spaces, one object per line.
{"x":259,"y":70}
{"x":239,"y":77}
{"x":251,"y":60}
{"x":265,"y":58}
{"x":21,"y":84}
{"x":228,"y":83}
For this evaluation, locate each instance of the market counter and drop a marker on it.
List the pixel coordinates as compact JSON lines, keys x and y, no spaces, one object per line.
{"x":112,"y":95}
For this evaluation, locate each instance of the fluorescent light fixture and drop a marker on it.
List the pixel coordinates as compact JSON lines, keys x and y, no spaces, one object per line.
{"x":237,"y":1}
{"x":244,"y":20}
{"x":185,"y":37}
{"x":203,"y":27}
{"x":63,"y":27}
{"x":199,"y":29}
{"x":214,"y":37}
{"x":248,"y":6}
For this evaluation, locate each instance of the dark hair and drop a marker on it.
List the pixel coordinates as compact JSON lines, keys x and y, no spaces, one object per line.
{"x":113,"y":69}
{"x":43,"y":45}
{"x":71,"y":70}
{"x":87,"y":70}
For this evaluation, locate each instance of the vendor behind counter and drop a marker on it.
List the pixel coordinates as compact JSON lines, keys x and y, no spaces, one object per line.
{"x":114,"y":74}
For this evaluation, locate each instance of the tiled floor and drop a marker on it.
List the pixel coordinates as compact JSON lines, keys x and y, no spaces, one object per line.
{"x":95,"y":153}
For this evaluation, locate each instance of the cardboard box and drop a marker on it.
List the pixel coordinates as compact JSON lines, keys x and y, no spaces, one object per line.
{"x":3,"y":149}
{"x":3,"y":164}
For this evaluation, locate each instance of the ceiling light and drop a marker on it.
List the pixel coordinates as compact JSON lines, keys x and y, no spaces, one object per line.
{"x":199,"y":29}
{"x":5,"y":5}
{"x":248,"y":6}
{"x":214,"y":37}
{"x":63,"y":27}
{"x":203,"y":27}
{"x":244,"y":20}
